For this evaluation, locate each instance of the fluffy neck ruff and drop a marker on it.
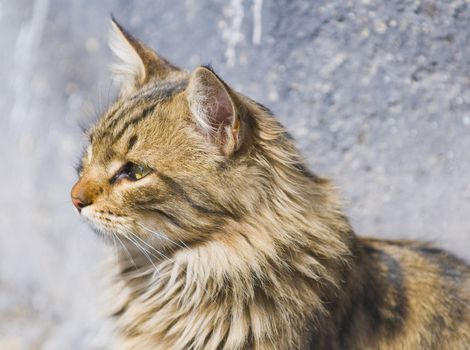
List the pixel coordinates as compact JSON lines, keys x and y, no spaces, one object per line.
{"x":270,"y":280}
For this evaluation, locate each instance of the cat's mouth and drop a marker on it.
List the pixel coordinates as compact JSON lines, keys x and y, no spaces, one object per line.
{"x":105,"y":224}
{"x":122,"y":231}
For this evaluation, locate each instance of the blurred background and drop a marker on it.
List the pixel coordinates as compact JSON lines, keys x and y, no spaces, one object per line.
{"x":377,"y":94}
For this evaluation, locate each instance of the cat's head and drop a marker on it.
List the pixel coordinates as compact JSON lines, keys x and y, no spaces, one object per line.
{"x":177,"y":157}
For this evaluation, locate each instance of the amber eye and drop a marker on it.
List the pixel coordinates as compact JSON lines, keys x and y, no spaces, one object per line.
{"x":132,"y":172}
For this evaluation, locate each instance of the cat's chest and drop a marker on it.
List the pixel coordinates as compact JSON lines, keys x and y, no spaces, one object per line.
{"x":172,"y":318}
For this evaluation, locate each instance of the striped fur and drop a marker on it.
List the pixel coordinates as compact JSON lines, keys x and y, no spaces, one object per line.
{"x":231,"y":243}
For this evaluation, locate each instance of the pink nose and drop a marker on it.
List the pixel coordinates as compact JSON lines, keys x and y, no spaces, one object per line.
{"x":80,"y":196}
{"x":79,"y":203}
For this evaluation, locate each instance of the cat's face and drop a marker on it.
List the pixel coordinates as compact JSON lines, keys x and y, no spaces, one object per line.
{"x":164,"y":164}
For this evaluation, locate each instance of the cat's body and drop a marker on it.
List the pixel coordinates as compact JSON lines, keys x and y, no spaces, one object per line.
{"x":229,"y":242}
{"x":395,"y":295}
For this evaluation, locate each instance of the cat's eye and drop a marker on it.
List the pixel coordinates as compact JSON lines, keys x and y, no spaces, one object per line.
{"x":131,"y":171}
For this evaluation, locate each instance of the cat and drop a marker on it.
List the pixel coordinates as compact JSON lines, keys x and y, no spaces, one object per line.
{"x":227,"y":241}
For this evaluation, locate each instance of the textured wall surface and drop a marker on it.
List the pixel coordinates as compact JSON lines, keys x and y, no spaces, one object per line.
{"x":377,"y":93}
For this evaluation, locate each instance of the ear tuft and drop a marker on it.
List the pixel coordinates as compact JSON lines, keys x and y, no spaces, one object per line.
{"x":130,"y":69}
{"x":214,"y":110}
{"x":138,"y":63}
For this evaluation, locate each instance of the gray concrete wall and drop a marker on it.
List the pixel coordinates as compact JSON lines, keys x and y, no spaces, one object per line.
{"x":377,"y":94}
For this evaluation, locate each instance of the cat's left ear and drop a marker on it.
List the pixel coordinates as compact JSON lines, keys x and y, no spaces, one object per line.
{"x":213,"y":106}
{"x":138,"y":64}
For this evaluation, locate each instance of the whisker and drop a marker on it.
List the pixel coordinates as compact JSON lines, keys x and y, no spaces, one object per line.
{"x":127,"y":252}
{"x":169,"y":259}
{"x":154,"y":249}
{"x":142,"y":249}
{"x":159,"y":235}
{"x":114,"y":242}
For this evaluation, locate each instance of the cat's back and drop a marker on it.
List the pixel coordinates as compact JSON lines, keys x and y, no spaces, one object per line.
{"x":417,"y":297}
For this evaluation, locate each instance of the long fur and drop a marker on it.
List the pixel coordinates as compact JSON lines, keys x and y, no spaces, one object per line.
{"x":243,"y":247}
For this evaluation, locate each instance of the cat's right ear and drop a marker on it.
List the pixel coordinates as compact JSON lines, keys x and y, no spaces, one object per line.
{"x":215,"y":110}
{"x":138,"y":64}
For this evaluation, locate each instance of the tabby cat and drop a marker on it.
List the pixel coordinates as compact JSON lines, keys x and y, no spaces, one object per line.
{"x":227,"y":241}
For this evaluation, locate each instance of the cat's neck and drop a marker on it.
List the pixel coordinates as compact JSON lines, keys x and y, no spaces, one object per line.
{"x":287,"y":258}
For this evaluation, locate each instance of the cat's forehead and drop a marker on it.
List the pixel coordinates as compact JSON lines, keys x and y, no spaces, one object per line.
{"x":160,"y":90}
{"x":131,"y":109}
{"x":131,"y":118}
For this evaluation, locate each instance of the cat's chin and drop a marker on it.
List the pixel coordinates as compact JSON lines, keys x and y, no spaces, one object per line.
{"x":103,"y":232}
{"x":103,"y":235}
{"x":130,"y":235}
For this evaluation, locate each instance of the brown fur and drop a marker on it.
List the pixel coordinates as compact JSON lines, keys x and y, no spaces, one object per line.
{"x":231,"y":243}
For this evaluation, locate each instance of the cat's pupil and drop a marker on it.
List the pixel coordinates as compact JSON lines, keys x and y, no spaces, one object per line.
{"x":138,"y":172}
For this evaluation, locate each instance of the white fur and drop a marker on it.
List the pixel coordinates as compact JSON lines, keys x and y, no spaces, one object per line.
{"x":89,"y":153}
{"x":203,"y":104}
{"x":130,"y":69}
{"x":204,"y":93}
